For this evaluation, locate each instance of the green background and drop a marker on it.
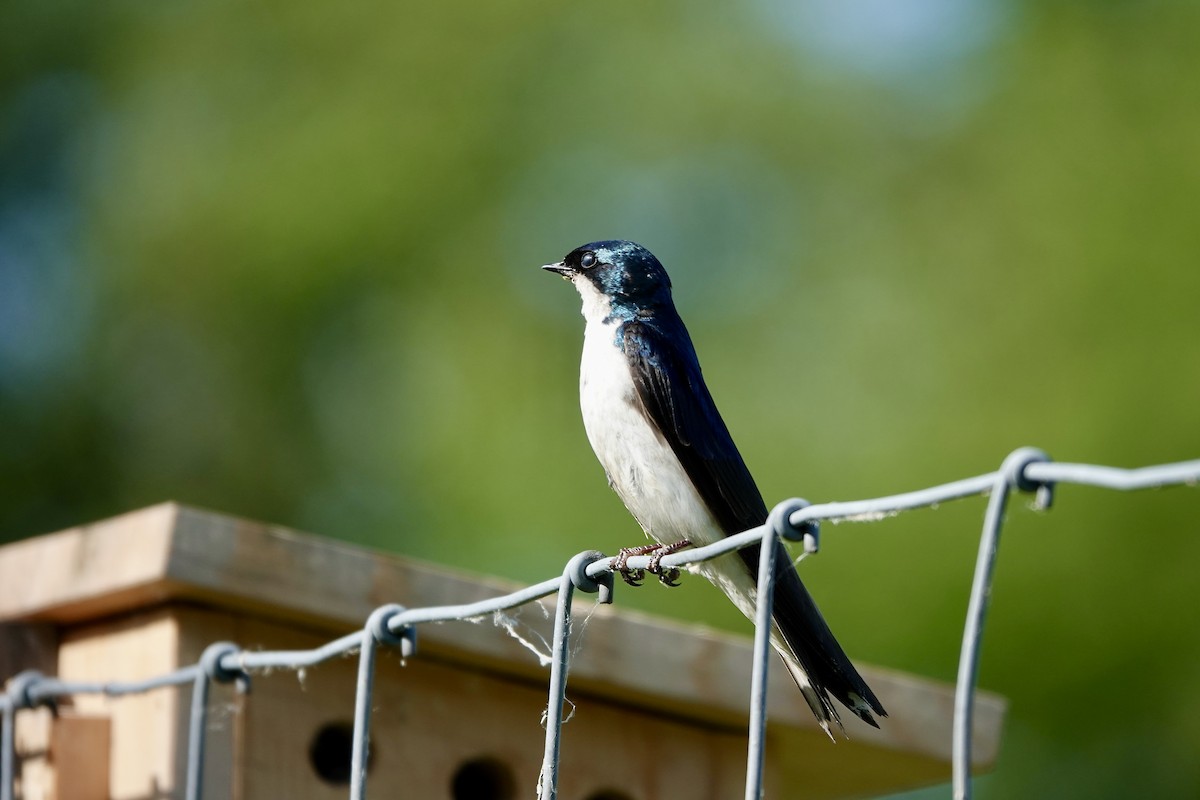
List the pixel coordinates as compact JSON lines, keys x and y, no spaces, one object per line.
{"x":281,"y":260}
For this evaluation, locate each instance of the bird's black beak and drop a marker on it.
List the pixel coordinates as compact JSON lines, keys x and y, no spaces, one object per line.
{"x":561,"y":268}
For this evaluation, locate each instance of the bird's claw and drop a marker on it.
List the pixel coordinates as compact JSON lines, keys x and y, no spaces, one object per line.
{"x":670,"y":577}
{"x":635,"y":577}
{"x":620,"y":565}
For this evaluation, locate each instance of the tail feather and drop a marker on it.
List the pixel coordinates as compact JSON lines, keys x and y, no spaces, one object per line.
{"x":817,"y":700}
{"x":815,"y":660}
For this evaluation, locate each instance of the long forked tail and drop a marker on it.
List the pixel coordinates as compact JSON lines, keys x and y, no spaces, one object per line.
{"x":813,"y":656}
{"x":819,"y":701}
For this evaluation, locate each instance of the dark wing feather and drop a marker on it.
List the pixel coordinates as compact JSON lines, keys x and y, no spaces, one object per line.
{"x":672,"y":392}
{"x":666,"y":374}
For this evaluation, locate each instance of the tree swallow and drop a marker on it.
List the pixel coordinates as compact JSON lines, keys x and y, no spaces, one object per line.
{"x":668,"y":455}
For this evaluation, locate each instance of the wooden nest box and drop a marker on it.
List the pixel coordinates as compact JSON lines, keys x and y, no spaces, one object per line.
{"x":660,"y":708}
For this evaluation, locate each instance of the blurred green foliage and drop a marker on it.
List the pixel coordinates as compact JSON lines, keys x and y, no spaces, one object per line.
{"x":281,"y":260}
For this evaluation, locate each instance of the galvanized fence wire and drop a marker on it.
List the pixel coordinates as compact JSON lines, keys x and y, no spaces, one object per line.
{"x":1024,"y":470}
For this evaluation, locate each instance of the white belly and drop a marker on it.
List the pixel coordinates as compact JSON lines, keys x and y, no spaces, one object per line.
{"x":641,"y":466}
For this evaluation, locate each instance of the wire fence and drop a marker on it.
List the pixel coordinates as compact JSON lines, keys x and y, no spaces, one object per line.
{"x":1025,"y":470}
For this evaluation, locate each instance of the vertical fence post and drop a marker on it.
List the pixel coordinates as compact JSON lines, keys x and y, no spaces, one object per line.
{"x":779,"y":526}
{"x":574,"y":576}
{"x":376,"y":632}
{"x":548,"y":788}
{"x":7,"y":776}
{"x":210,"y":671}
{"x":755,"y":748}
{"x":1010,"y":476}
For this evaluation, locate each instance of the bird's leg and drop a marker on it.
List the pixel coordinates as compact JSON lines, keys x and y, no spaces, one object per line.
{"x":620,"y":563}
{"x":634,"y":577}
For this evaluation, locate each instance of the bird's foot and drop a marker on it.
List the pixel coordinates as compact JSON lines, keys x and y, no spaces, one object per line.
{"x":671,"y":576}
{"x":634,"y":577}
{"x":620,"y":564}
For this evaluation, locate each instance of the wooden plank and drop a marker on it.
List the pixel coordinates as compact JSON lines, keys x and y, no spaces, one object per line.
{"x":80,"y":750}
{"x":89,"y":571}
{"x":147,"y":729}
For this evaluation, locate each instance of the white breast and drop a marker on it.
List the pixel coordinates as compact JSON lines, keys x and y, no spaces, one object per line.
{"x":640,"y":464}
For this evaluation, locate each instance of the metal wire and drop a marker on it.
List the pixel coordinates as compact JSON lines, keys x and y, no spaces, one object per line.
{"x":197,"y":727}
{"x":6,"y":752}
{"x":756,"y":736}
{"x":548,"y":784}
{"x":1024,"y":470}
{"x":378,"y":631}
{"x":1011,"y":475}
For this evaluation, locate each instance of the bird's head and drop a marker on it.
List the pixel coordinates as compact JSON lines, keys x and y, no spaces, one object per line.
{"x":625,"y":273}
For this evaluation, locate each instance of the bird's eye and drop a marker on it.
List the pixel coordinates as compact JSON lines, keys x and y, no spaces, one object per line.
{"x":587,"y":260}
